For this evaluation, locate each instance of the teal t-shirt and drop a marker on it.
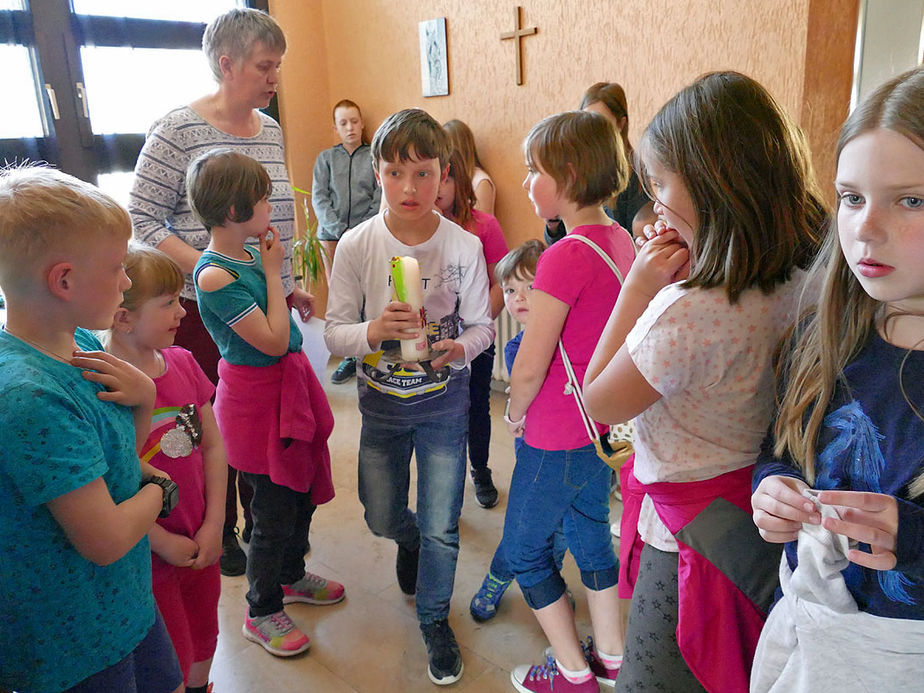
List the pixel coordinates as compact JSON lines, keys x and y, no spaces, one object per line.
{"x":62,"y":618}
{"x":222,"y":309}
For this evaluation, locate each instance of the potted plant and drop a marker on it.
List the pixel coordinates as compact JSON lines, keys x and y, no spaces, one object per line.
{"x":308,"y":255}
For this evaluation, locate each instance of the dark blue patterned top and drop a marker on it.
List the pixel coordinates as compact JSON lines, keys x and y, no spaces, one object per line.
{"x":872,"y":440}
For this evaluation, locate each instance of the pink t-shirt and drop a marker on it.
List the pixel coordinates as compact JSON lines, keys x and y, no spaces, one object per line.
{"x":489,"y":232}
{"x":573,"y":273}
{"x":182,"y":383}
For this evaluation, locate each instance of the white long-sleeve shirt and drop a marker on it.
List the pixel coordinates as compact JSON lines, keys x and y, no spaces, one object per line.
{"x":456,"y":305}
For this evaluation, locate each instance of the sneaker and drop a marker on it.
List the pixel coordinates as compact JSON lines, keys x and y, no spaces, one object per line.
{"x":276,"y":634}
{"x":233,"y":559}
{"x":343,"y":372}
{"x":545,"y":678}
{"x":247,"y":533}
{"x":485,"y":492}
{"x":614,"y":530}
{"x":604,"y":675}
{"x":406,"y":568}
{"x":484,"y":603}
{"x":312,"y":589}
{"x":443,"y":652}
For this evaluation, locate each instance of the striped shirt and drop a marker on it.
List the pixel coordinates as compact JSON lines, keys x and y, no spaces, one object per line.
{"x":158,"y":204}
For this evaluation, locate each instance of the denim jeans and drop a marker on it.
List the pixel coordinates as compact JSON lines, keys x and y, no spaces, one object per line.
{"x":385,"y":449}
{"x":278,"y":544}
{"x":500,"y":566}
{"x":551,"y":489}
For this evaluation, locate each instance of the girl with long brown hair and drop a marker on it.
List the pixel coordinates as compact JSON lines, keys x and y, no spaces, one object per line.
{"x":688,"y":353}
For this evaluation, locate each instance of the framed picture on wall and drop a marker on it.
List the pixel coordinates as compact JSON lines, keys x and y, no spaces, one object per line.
{"x":434,"y":65}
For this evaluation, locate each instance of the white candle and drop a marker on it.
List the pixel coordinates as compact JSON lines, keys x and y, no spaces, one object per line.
{"x":405,"y":277}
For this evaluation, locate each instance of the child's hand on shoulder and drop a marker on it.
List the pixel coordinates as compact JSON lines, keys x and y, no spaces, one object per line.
{"x":663,"y":259}
{"x":208,"y":539}
{"x":397,"y":321}
{"x":780,"y":508}
{"x":870,"y":518}
{"x":271,"y":252}
{"x":177,"y":550}
{"x":125,"y":384}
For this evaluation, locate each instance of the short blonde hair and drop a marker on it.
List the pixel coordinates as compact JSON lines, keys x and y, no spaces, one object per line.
{"x":43,"y":209}
{"x":582,"y":153}
{"x":236,"y":32}
{"x":153,"y":273}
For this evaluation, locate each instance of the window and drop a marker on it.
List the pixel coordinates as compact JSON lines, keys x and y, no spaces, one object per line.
{"x":22,"y":116}
{"x":84,"y":79}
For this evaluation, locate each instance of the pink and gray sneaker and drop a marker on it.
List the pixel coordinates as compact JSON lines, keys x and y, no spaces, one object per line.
{"x":276,"y":634}
{"x":312,"y":589}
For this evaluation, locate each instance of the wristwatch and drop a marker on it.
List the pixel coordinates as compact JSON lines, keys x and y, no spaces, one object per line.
{"x":169,"y":489}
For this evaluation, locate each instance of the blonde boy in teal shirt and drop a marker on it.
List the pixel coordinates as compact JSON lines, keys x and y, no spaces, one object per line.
{"x":75,"y":599}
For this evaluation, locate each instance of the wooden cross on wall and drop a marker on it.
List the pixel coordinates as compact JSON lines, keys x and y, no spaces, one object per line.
{"x":517,"y":34}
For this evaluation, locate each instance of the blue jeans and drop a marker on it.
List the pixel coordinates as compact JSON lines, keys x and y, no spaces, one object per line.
{"x":551,"y":489}
{"x":500,"y":566}
{"x":385,"y":449}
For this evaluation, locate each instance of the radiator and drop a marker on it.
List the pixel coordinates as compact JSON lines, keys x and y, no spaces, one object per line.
{"x":505,"y":328}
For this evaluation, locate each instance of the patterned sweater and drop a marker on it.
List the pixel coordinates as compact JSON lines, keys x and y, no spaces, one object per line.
{"x":158,"y":204}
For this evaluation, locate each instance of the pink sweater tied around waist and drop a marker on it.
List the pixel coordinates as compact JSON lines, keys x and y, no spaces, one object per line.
{"x":275,"y":420}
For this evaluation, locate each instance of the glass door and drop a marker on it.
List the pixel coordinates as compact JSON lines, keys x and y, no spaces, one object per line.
{"x":26,"y":121}
{"x":89,"y":77}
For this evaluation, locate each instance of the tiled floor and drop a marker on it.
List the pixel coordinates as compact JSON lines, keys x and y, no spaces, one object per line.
{"x":370,"y":642}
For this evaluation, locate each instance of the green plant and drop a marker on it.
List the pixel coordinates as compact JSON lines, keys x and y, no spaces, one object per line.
{"x":308,"y":254}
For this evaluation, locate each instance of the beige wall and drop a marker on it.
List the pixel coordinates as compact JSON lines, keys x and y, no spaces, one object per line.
{"x":367,"y":50}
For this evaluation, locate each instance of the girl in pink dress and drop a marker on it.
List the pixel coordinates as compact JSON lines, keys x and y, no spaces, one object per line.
{"x":184,"y":442}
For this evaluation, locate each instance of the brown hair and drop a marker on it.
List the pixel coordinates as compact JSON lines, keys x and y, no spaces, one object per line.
{"x":464,"y":200}
{"x":581,"y":152}
{"x":462,"y":140}
{"x":153,"y":273}
{"x":613,"y":96}
{"x":236,"y":32}
{"x":834,"y":335}
{"x":748,"y":172}
{"x":43,"y":209}
{"x":225,"y":185}
{"x":520,"y":263}
{"x":412,"y":128}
